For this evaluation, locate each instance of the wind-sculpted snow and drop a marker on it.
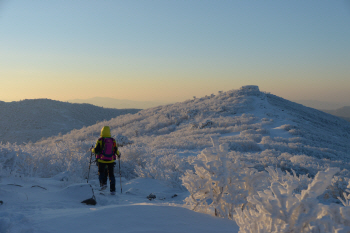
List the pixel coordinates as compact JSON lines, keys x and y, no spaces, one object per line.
{"x":173,"y":143}
{"x":31,"y":120}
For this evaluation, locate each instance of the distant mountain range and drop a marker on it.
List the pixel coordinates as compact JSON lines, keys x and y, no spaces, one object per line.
{"x":343,"y":112}
{"x":117,"y":103}
{"x":33,"y":119}
{"x":335,"y":109}
{"x":320,"y":105}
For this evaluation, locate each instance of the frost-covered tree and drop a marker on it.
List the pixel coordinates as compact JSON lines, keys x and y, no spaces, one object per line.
{"x":341,"y":215}
{"x":281,"y":209}
{"x":220,"y":181}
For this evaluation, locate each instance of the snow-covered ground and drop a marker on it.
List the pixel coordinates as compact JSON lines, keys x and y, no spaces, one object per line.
{"x":242,"y":155}
{"x":48,"y":206}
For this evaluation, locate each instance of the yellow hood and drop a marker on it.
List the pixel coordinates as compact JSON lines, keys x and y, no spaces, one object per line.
{"x":106,"y":132}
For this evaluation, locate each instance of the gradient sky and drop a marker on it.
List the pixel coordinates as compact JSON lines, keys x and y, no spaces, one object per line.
{"x":169,"y":51}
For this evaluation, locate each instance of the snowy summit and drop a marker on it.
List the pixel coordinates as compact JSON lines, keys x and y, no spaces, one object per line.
{"x":236,"y":161}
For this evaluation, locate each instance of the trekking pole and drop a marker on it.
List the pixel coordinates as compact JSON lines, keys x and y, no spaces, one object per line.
{"x":120,"y":177}
{"x":87,"y":181}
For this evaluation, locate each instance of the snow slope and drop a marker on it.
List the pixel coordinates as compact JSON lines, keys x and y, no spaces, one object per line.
{"x":259,"y":129}
{"x":260,"y":124}
{"x":31,"y":120}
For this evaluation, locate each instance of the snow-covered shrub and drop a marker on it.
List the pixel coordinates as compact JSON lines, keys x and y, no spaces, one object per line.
{"x":334,"y":218}
{"x":220,"y":181}
{"x":281,"y":209}
{"x":45,"y":161}
{"x":133,"y":153}
{"x":206,"y":124}
{"x":301,"y":181}
{"x":132,"y":156}
{"x":66,"y":156}
{"x":341,"y":215}
{"x":337,"y":188}
{"x":24,"y":165}
{"x":244,"y":146}
{"x":346,"y":201}
{"x":166,"y":167}
{"x":122,"y":140}
{"x":180,"y":140}
{"x":8,"y":158}
{"x":16,"y":161}
{"x":296,"y":132}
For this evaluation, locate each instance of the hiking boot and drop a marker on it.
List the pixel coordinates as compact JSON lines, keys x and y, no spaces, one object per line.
{"x":103,"y":187}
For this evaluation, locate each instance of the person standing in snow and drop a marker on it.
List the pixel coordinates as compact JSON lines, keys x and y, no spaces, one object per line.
{"x":106,"y":152}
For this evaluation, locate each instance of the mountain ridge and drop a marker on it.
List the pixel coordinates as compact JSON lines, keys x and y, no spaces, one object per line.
{"x":343,"y":112}
{"x":320,"y":105}
{"x":117,"y":103}
{"x":32,"y":119}
{"x":248,"y":120}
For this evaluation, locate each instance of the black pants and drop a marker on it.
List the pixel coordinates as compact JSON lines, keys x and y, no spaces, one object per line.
{"x":104,"y":170}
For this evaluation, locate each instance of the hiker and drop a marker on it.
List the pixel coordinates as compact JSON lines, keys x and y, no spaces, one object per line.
{"x":106,"y":152}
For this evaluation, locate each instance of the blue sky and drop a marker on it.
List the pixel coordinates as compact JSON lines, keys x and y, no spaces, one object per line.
{"x":172,"y":50}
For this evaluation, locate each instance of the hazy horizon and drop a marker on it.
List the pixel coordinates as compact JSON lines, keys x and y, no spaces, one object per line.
{"x":109,"y":102}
